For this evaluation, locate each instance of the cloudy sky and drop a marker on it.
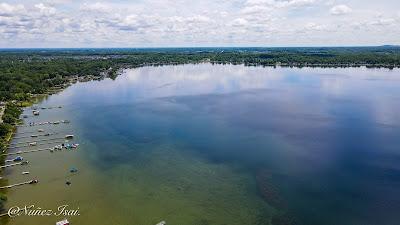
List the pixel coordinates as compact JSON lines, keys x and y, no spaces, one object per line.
{"x":170,"y":23}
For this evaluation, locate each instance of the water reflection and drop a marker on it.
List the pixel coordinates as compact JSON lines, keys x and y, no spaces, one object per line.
{"x":327,"y":139}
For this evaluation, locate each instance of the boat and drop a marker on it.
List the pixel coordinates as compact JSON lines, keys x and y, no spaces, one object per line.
{"x":34,"y":135}
{"x":33,"y":182}
{"x":33,"y":143}
{"x":74,"y":145}
{"x":25,"y":116}
{"x":40,"y":130}
{"x":65,"y":121}
{"x":25,"y":173}
{"x":35,"y":112}
{"x":69,"y":136}
{"x":56,"y":122}
{"x":63,"y":222}
{"x":18,"y":159}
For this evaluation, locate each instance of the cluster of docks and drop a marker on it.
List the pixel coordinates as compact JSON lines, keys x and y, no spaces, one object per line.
{"x":34,"y":140}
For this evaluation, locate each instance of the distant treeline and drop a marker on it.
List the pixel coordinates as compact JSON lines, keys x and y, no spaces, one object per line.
{"x":34,"y":71}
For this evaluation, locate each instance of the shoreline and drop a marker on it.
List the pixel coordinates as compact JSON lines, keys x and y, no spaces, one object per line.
{"x":6,"y":139}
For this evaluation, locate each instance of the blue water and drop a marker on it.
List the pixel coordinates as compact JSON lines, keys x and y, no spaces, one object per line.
{"x":324,"y":142}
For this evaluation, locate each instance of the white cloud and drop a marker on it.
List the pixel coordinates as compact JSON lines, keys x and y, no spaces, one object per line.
{"x":95,"y":7}
{"x":8,"y":10}
{"x":115,"y":23}
{"x":46,"y":10}
{"x":314,"y":27}
{"x":340,"y":10}
{"x":240,"y":22}
{"x":383,"y":22}
{"x":280,"y":3}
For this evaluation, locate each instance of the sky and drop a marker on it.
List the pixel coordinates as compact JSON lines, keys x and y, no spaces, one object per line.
{"x":198,"y":23}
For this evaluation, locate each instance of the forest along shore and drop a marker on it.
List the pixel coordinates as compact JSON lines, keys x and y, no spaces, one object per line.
{"x":10,"y":118}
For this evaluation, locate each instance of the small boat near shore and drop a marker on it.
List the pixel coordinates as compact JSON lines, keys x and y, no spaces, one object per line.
{"x":69,"y":136}
{"x":63,"y":222}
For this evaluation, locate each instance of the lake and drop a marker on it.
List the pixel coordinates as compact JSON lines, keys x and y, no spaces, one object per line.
{"x":220,"y":144}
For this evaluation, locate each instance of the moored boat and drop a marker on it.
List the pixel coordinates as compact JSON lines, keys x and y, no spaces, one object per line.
{"x":69,"y":136}
{"x":63,"y":222}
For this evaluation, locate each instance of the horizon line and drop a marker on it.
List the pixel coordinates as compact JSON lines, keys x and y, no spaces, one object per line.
{"x":199,"y":47}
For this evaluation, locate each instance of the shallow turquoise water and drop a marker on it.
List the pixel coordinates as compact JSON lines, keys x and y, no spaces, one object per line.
{"x":224,"y":144}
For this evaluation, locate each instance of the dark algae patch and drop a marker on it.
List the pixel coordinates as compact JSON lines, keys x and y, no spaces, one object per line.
{"x":271,"y":195}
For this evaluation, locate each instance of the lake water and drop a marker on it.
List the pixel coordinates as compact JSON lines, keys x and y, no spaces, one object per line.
{"x":221,"y":144}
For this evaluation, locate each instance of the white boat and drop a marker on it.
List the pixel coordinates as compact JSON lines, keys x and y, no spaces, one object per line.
{"x":63,"y":222}
{"x":69,"y":136}
{"x":25,"y":173}
{"x":33,"y":144}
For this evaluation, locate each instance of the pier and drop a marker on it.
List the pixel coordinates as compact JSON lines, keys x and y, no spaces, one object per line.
{"x":46,"y":141}
{"x":19,"y":184}
{"x":33,"y":124}
{"x":14,"y":164}
{"x":35,"y":135}
{"x":24,"y":152}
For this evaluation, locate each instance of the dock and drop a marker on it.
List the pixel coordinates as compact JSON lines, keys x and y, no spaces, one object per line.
{"x":24,"y":152}
{"x":14,"y":164}
{"x":19,"y":184}
{"x":39,"y":142}
{"x":35,"y":135}
{"x":33,"y":124}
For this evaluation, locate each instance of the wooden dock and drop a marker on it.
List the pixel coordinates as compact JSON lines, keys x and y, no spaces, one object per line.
{"x":24,"y":152}
{"x":37,"y":135}
{"x":10,"y":165}
{"x":37,"y":141}
{"x":58,"y":122}
{"x":48,"y":141}
{"x":15,"y":185}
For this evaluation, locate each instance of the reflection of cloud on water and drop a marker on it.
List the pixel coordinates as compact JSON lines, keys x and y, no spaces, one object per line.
{"x":197,"y":79}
